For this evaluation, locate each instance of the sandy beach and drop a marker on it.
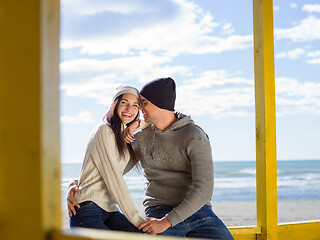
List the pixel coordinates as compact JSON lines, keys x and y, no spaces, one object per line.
{"x":244,"y":213}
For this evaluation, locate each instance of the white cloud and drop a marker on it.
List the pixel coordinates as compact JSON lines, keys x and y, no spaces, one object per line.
{"x":102,"y":77}
{"x":122,"y":69}
{"x":294,"y":97}
{"x":293,"y":5}
{"x":84,"y":7}
{"x":115,"y":65}
{"x":314,"y":54}
{"x":100,"y":89}
{"x":220,"y":94}
{"x":227,"y":29}
{"x":154,"y":36}
{"x":293,"y":54}
{"x":281,"y":55}
{"x":311,"y":8}
{"x":83,"y":117}
{"x":314,"y":61}
{"x":216,"y":93}
{"x":178,"y":29}
{"x":307,"y":30}
{"x":276,"y":8}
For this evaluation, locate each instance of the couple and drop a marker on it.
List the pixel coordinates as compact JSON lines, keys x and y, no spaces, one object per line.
{"x":176,"y":157}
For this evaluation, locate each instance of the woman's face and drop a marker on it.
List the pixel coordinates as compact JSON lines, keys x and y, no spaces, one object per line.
{"x":128,"y":107}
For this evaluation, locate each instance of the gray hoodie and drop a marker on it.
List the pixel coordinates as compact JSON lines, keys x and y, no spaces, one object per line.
{"x":178,"y":166}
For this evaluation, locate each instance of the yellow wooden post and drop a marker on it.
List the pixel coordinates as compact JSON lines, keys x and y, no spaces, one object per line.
{"x":29,"y":119}
{"x":266,"y":162}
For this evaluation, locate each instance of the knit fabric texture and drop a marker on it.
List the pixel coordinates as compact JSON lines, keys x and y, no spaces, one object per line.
{"x":161,"y":92}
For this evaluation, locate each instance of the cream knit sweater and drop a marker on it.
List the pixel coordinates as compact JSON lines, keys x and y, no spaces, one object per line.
{"x":101,"y":179}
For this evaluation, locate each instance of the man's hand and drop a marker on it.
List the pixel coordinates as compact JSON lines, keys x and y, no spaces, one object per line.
{"x":128,"y":132}
{"x":154,"y":226}
{"x":72,"y":190}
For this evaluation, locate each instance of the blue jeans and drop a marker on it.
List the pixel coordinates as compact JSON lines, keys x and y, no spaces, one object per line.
{"x":90,"y":215}
{"x":202,"y":224}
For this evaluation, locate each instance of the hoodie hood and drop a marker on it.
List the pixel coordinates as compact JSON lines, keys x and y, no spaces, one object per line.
{"x":182,"y":121}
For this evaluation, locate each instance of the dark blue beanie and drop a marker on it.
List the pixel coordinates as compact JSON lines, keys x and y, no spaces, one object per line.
{"x":161,"y":92}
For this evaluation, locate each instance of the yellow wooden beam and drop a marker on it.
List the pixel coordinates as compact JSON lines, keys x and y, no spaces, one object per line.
{"x":94,"y":234}
{"x":297,"y":231}
{"x":29,"y":119}
{"x":266,"y":161}
{"x":245,"y":230}
{"x":50,"y":114}
{"x":294,"y":231}
{"x":245,"y":233}
{"x":239,"y":233}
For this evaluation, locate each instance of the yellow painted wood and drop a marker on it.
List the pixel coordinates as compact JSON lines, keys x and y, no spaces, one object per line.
{"x":245,"y":230}
{"x":86,"y":234}
{"x":298,"y":231}
{"x":238,"y":233}
{"x":50,"y":114}
{"x":265,"y":119}
{"x":295,"y":231}
{"x":245,"y":233}
{"x":29,"y":119}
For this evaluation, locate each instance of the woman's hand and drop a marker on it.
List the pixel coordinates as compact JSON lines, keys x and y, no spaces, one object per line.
{"x":72,"y":190}
{"x":154,"y":226}
{"x":128,"y":132}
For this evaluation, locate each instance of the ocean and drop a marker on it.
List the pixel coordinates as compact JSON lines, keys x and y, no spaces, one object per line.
{"x":233,"y":181}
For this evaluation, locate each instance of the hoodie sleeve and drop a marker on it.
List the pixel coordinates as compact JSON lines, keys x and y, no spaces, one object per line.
{"x":200,"y":155}
{"x":105,"y":156}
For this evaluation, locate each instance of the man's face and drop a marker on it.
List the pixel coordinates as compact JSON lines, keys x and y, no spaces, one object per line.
{"x":149,"y":110}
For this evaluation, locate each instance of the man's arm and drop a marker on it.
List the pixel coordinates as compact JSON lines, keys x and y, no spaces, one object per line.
{"x":200,"y":155}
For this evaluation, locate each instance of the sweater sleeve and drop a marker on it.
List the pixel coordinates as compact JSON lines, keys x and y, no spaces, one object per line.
{"x":200,"y":155}
{"x":143,"y":125}
{"x":105,"y":156}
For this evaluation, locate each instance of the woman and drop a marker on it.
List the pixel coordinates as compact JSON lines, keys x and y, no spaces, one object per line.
{"x":102,"y":186}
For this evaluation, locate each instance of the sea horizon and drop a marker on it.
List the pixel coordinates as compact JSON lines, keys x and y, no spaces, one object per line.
{"x":233,"y":180}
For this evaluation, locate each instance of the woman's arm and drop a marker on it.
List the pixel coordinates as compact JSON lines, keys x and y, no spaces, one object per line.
{"x":128,"y":133}
{"x":105,"y":156}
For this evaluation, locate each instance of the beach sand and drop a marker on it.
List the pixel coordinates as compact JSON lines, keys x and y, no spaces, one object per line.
{"x":244,"y":213}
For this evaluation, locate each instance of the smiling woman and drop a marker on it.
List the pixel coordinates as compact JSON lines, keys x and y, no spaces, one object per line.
{"x":128,"y":108}
{"x":102,"y":186}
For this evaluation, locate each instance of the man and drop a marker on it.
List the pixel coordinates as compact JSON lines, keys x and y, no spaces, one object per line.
{"x":176,"y":157}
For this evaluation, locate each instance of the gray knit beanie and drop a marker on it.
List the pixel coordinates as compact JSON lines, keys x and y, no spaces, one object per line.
{"x":126,"y":89}
{"x":161,"y":92}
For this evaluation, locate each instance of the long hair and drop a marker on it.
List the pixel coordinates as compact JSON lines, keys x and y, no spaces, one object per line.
{"x":112,"y":118}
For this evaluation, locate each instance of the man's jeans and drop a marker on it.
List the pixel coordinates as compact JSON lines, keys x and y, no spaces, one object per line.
{"x":90,"y":215}
{"x":202,"y":224}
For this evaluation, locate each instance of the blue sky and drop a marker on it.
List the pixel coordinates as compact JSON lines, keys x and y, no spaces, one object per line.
{"x":207,"y":47}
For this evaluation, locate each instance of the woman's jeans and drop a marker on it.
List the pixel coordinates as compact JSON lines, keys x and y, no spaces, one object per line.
{"x":202,"y":224}
{"x":90,"y":215}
